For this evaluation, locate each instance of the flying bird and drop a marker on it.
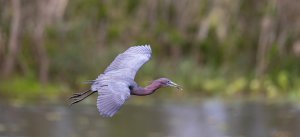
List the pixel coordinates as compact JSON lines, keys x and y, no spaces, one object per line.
{"x":116,"y":84}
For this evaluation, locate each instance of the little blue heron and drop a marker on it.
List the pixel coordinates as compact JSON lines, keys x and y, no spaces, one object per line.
{"x":117,"y":83}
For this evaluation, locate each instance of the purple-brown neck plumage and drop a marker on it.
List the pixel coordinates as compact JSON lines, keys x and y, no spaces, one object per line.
{"x":140,"y":91}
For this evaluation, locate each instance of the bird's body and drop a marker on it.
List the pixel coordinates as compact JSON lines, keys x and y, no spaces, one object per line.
{"x":117,"y":83}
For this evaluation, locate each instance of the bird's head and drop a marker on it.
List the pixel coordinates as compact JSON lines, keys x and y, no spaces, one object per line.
{"x":165,"y":82}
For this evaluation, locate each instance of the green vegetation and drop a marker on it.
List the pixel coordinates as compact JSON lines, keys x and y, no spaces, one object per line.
{"x":221,"y":48}
{"x":30,"y":90}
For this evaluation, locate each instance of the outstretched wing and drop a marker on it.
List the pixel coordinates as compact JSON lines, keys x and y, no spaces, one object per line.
{"x":129,"y":62}
{"x":112,"y":97}
{"x":113,"y":84}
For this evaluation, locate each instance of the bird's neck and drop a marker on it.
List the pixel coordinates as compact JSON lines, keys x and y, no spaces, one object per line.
{"x":140,"y":91}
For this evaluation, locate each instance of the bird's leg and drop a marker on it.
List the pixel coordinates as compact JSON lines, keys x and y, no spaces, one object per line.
{"x":78,"y":99}
{"x":75,"y":95}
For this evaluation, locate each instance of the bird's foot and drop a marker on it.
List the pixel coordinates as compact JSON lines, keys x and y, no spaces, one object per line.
{"x":77,"y":97}
{"x":76,"y":100}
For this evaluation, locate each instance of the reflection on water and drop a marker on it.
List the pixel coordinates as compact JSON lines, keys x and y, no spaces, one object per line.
{"x":207,"y":119}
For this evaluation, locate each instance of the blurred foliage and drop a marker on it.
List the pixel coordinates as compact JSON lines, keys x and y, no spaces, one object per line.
{"x":30,"y":90}
{"x":209,"y":47}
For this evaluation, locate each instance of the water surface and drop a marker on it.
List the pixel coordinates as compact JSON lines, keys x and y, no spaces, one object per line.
{"x":212,"y":118}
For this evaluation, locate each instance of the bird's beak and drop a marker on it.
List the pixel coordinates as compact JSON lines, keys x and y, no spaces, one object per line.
{"x":172,"y":84}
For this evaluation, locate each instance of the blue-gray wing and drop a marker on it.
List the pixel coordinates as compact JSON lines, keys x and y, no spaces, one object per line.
{"x":129,"y":62}
{"x":112,"y":97}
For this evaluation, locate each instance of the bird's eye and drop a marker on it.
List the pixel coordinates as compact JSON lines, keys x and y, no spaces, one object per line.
{"x":130,"y":87}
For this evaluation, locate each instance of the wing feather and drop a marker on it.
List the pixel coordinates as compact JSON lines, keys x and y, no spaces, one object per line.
{"x":129,"y":62}
{"x":111,"y":99}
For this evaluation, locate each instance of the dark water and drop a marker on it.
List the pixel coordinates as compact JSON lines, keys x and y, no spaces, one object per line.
{"x":207,"y":119}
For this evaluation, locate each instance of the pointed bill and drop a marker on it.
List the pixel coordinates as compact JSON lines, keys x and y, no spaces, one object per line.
{"x":172,"y":84}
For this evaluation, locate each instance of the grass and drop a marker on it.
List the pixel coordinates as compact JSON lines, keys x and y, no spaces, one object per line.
{"x":26,"y":89}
